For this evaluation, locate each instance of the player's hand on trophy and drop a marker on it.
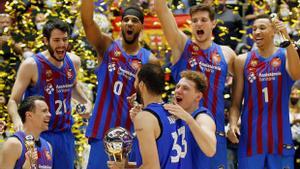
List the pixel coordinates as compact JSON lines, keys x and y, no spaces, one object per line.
{"x":117,"y":164}
{"x":233,"y":133}
{"x":30,"y":157}
{"x":84,"y":110}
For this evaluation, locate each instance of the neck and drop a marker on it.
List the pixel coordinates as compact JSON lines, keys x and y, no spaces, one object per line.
{"x":192,"y":108}
{"x":52,"y":60}
{"x":150,"y":98}
{"x":28,"y":129}
{"x":131,"y":49}
{"x":204,"y":44}
{"x":267,"y":51}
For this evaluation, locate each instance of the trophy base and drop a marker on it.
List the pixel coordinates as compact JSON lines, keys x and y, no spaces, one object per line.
{"x":285,"y":44}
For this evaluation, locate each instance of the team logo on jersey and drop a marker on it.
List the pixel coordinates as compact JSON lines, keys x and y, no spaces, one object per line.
{"x":193,"y":62}
{"x":49,"y":88}
{"x":48,"y":75}
{"x":117,"y":53}
{"x":111,"y":67}
{"x":136,"y":64}
{"x":276,"y":62}
{"x":254,"y":62}
{"x":69,"y":74}
{"x":216,"y":58}
{"x":251,"y":77}
{"x":195,"y":48}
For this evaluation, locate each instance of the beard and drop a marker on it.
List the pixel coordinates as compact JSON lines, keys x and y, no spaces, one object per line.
{"x":139,"y":98}
{"x":51,"y":51}
{"x":135,"y":36}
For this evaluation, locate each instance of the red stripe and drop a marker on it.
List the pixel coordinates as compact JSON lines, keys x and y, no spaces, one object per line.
{"x":121,"y":103}
{"x":111,"y":107}
{"x":270,"y":110}
{"x":215,"y":93}
{"x":250,"y":118}
{"x":99,"y":111}
{"x":260,"y":117}
{"x":279,"y":116}
{"x":205,"y":95}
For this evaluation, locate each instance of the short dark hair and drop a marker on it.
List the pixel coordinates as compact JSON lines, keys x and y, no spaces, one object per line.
{"x":197,"y":77}
{"x":203,"y":7}
{"x":28,"y":104}
{"x":55,"y":23}
{"x":153,"y":77}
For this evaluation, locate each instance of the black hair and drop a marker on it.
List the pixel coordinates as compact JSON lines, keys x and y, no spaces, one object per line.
{"x":55,"y":23}
{"x":28,"y":104}
{"x":152,"y":76}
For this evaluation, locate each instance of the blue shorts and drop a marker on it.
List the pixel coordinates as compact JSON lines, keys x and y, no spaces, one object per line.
{"x":269,"y":161}
{"x":219,"y":160}
{"x":63,"y":148}
{"x":98,"y":157}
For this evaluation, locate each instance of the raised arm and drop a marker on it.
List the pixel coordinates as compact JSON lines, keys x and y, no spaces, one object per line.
{"x":292,"y":59}
{"x":147,"y":130}
{"x":98,"y":40}
{"x":237,"y":96}
{"x":24,"y":77}
{"x":174,"y":36}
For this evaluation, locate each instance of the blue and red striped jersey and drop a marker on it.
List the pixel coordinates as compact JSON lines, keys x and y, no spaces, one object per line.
{"x":265,"y":115}
{"x":43,"y":151}
{"x":116,"y":76}
{"x":212,"y":63}
{"x":55,"y":84}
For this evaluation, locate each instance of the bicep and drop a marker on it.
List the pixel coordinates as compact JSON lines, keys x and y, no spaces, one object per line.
{"x":10,"y":153}
{"x":24,"y":77}
{"x":207,"y":122}
{"x":145,"y":130}
{"x":238,"y":82}
{"x":96,"y":38}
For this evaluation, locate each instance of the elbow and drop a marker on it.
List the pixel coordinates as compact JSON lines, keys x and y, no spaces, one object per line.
{"x":212,"y":148}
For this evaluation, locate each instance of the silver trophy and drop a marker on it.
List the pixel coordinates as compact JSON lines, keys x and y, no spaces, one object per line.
{"x":117,"y":143}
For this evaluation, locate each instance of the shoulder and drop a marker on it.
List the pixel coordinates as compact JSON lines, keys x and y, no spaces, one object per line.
{"x":228,"y":52}
{"x":12,"y":145}
{"x":29,"y":62}
{"x":240,"y":60}
{"x":75,"y":59}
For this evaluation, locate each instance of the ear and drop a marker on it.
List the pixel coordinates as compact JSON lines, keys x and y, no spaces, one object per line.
{"x":199,"y":96}
{"x":214,"y":22}
{"x":28,"y":114}
{"x":45,"y":40}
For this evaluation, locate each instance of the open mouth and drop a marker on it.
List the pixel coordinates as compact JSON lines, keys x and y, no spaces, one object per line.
{"x":200,"y":32}
{"x":60,"y":52}
{"x":129,"y":32}
{"x":178,"y":99}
